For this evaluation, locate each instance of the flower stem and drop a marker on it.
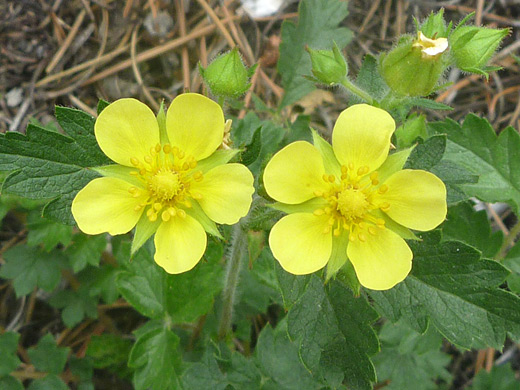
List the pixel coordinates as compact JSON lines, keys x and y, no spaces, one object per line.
{"x":508,"y":241}
{"x":357,"y":91}
{"x":234,"y":265}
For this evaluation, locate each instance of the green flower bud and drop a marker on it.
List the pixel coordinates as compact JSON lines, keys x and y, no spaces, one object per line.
{"x":434,"y":25}
{"x":472,"y":47}
{"x":407,"y":133}
{"x":227,"y":76}
{"x":328,"y":66}
{"x":414,"y":66}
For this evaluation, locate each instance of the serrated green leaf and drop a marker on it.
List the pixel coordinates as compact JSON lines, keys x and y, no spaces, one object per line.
{"x":155,"y":294}
{"x":108,"y":350}
{"x":31,"y":267}
{"x":8,"y":348}
{"x":299,"y":130}
{"x":10,"y":383}
{"x":85,"y":250}
{"x":500,"y":378}
{"x":291,"y":286}
{"x":426,"y":103}
{"x":477,"y":148}
{"x":101,"y":281}
{"x":157,"y":361}
{"x":455,"y":290}
{"x":332,"y":329}
{"x":50,"y":382}
{"x":409,"y":360}
{"x":46,"y":232}
{"x":278,"y":360}
{"x":76,"y":305}
{"x":465,"y":224}
{"x":205,"y":374}
{"x":318,"y":27}
{"x":430,"y":156}
{"x":48,"y":165}
{"x":47,"y":356}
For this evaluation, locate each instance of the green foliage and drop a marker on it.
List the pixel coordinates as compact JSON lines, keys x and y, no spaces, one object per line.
{"x":455,"y":290}
{"x":156,"y":294}
{"x":409,"y":360}
{"x":32,"y":267}
{"x":47,"y":165}
{"x":8,"y":347}
{"x":10,"y":383}
{"x":47,"y":356}
{"x":430,"y":157}
{"x":75,"y":304}
{"x":500,"y":378}
{"x":157,"y":361}
{"x":85,"y":250}
{"x":472,"y":227}
{"x":50,"y":382}
{"x":318,"y":27}
{"x":332,"y":329}
{"x":512,"y":261}
{"x":108,"y":350}
{"x":494,"y":159}
{"x":46,"y":232}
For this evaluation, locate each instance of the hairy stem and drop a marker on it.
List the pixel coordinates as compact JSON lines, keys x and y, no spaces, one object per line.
{"x":234,"y":265}
{"x":357,"y":91}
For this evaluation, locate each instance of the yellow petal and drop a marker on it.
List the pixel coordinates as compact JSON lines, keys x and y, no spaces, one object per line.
{"x":382,"y":260}
{"x":295,"y":173}
{"x":417,"y":199}
{"x":126,"y":128}
{"x":195,"y":124}
{"x":179,"y":244}
{"x":226,"y":192}
{"x":106,"y":205}
{"x":361,"y":136}
{"x":299,"y":243}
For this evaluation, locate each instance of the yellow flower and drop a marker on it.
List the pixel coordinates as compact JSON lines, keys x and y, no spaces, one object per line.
{"x":351,"y":200}
{"x":170,"y":179}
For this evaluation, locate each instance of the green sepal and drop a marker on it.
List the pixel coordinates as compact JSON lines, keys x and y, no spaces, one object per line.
{"x":220,"y":157}
{"x":347,"y":275}
{"x":393,"y":163}
{"x":143,"y":231}
{"x":401,"y":230}
{"x":119,"y":172}
{"x":209,"y":226}
{"x":338,"y":257}
{"x":327,"y":154}
{"x":161,"y":121}
{"x":102,"y":104}
{"x":305,"y":207}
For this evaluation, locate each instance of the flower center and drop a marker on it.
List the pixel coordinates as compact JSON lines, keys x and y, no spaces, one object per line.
{"x":166,"y":174}
{"x":351,"y":202}
{"x":430,"y":47}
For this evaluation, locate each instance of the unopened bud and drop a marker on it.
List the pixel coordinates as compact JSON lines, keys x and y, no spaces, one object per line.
{"x":328,"y":66}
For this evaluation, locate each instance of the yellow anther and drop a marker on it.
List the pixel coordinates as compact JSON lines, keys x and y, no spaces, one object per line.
{"x":362,"y":237}
{"x":142,"y":172}
{"x":325,"y":177}
{"x":318,"y":212}
{"x":133,"y":190}
{"x":134,"y":161}
{"x":149,"y":212}
{"x":362,"y":225}
{"x":318,"y":193}
{"x":331,"y":221}
{"x":351,"y":166}
{"x":352,"y":237}
{"x":344,"y":169}
{"x":148,"y":159}
{"x":328,"y":210}
{"x":375,"y":182}
{"x":167,"y":148}
{"x":181,"y":154}
{"x":157,"y":206}
{"x":380,"y":222}
{"x":383,"y":189}
{"x":185,"y":166}
{"x":372,"y":230}
{"x":384,"y":206}
{"x":175,"y":151}
{"x":152,"y":152}
{"x":373,"y":176}
{"x":197,"y":176}
{"x":331,"y":178}
{"x":138,"y":207}
{"x":172,"y":211}
{"x":193,"y":164}
{"x":337,"y":232}
{"x":363,"y":170}
{"x":326,"y":230}
{"x":134,"y":173}
{"x":187,"y":203}
{"x":152,"y":217}
{"x":165,"y":216}
{"x":196,"y":196}
{"x":181,"y":213}
{"x":157,"y":148}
